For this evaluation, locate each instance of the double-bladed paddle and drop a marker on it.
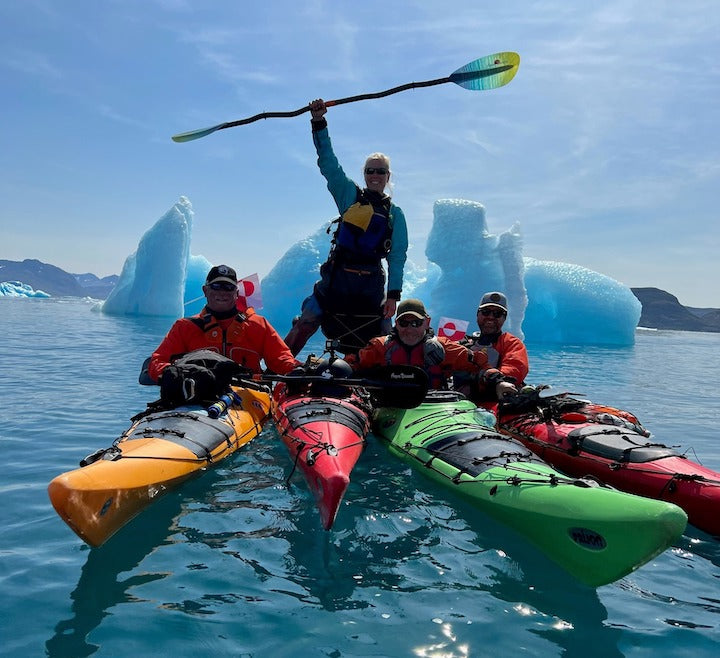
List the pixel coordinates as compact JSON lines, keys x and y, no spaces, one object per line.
{"x":400,"y":386}
{"x":488,"y":72}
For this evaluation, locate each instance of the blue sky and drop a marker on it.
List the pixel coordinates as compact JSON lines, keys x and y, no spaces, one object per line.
{"x":605,"y":147}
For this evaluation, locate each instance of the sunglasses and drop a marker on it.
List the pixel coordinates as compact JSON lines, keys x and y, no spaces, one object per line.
{"x":376,"y":170}
{"x":223,"y":285}
{"x":417,"y":322}
{"x":487,"y":312}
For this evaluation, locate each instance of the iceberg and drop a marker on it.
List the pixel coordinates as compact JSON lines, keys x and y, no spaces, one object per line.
{"x":19,"y":289}
{"x":572,"y":305}
{"x":549,"y":302}
{"x":472,"y":262}
{"x":292,"y":278}
{"x":161,"y":278}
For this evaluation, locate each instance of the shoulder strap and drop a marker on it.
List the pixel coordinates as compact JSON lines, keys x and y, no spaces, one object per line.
{"x":202,"y":320}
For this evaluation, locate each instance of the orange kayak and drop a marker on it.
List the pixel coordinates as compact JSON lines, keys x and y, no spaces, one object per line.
{"x":157,"y":453}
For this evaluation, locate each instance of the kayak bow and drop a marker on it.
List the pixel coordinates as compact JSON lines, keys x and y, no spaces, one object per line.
{"x":597,"y":534}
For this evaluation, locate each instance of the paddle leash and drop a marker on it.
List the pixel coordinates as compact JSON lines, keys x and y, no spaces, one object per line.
{"x":488,"y":72}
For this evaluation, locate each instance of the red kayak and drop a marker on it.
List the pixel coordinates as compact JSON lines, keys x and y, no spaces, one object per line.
{"x":325,"y":434}
{"x":581,"y":438}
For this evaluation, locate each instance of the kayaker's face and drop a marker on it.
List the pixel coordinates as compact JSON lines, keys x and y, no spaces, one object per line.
{"x":411,"y":329}
{"x":490,"y":319}
{"x":221,"y":296}
{"x":377,"y":175}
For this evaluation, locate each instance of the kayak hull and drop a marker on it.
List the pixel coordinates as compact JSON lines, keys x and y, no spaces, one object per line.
{"x":325,"y":436}
{"x":156,"y":454}
{"x":611,"y":445}
{"x":596,"y":533}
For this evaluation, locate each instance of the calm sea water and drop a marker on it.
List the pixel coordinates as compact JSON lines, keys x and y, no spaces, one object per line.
{"x":235,"y":563}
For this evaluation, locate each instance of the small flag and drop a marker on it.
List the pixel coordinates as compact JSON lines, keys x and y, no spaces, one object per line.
{"x":452,"y":329}
{"x":249,"y":293}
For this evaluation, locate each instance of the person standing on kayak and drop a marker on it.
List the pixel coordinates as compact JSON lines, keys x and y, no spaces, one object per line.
{"x":507,"y":355}
{"x":349,"y":301}
{"x":412,"y":342}
{"x":246,"y":338}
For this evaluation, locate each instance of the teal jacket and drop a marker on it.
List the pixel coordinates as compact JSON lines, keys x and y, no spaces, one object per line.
{"x":344,"y":191}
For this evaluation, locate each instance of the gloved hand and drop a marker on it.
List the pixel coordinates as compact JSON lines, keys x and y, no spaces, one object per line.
{"x":312,"y":363}
{"x":317,"y":109}
{"x":480,"y":358}
{"x":297,"y":371}
{"x":492,"y":376}
{"x":503,"y":389}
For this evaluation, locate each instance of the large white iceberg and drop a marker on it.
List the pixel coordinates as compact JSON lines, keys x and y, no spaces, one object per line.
{"x":549,"y":302}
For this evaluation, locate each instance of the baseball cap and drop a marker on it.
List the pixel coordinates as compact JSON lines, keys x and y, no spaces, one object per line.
{"x":411,"y":307}
{"x":493,"y":299}
{"x":221,"y":273}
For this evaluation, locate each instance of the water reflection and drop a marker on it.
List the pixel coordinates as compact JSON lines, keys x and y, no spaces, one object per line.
{"x":506,"y":567}
{"x":99,"y":588}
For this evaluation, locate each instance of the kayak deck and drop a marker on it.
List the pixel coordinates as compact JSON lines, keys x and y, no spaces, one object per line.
{"x":154,"y":455}
{"x":597,"y":534}
{"x":581,"y":438}
{"x":325,"y":436}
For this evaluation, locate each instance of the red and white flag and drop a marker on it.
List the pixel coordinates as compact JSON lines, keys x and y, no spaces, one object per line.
{"x":249,"y":293}
{"x":452,"y":328}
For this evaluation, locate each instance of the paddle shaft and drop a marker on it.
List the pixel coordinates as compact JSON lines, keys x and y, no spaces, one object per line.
{"x":457,"y":77}
{"x":370,"y":384}
{"x":339,"y":101}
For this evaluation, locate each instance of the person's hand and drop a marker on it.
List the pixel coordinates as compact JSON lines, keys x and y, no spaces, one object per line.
{"x":317,"y":109}
{"x":312,"y":364}
{"x":505,"y":388}
{"x":480,"y":358}
{"x":389,"y":307}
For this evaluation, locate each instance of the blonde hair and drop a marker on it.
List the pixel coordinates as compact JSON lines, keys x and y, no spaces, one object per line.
{"x":378,"y":156}
{"x":384,"y":158}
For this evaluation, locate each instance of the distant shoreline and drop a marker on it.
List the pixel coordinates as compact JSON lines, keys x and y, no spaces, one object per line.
{"x":660,"y":309}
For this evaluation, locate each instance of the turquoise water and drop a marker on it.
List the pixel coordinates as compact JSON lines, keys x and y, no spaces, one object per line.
{"x":235,"y":563}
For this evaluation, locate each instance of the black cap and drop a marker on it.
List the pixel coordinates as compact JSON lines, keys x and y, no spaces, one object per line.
{"x":221,"y":273}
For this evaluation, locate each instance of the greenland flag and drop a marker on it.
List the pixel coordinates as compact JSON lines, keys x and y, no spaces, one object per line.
{"x":249,"y":289}
{"x":452,"y":329}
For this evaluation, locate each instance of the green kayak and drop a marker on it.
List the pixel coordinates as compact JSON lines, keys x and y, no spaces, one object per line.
{"x":596,"y":533}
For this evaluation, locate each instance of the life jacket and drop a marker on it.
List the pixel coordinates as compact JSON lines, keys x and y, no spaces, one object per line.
{"x":473,"y":343}
{"x":364,"y":231}
{"x":427,"y":355}
{"x":226,"y":342}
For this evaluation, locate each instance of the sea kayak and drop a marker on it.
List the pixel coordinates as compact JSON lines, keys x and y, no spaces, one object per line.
{"x":596,"y":533}
{"x":155,"y":454}
{"x":325,"y":435}
{"x":581,"y":438}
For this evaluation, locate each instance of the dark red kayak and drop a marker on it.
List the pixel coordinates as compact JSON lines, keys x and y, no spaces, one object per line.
{"x":581,"y":438}
{"x":325,"y":434}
